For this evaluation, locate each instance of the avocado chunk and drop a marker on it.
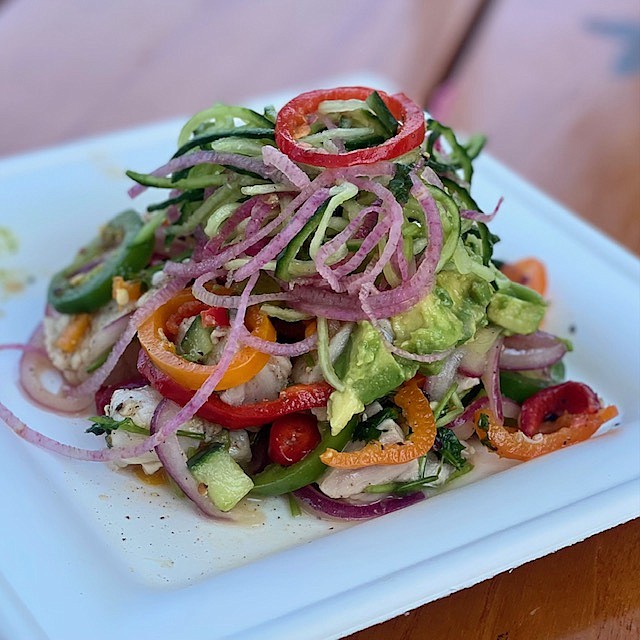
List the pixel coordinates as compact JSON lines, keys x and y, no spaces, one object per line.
{"x":517,"y":309}
{"x":371,"y":372}
{"x":226,"y":482}
{"x":451,"y":314}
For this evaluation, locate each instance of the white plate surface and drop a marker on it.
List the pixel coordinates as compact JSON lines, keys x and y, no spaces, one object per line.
{"x":87,"y":552}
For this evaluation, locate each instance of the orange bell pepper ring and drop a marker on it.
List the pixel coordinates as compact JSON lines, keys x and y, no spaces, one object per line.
{"x":511,"y":443}
{"x":245,"y":365}
{"x":418,"y":414}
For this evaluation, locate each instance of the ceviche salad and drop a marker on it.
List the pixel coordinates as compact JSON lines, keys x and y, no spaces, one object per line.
{"x":312,"y":309}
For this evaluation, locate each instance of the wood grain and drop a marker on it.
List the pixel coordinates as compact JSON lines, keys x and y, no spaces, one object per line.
{"x":585,"y":592}
{"x":556,"y":88}
{"x":74,"y":68}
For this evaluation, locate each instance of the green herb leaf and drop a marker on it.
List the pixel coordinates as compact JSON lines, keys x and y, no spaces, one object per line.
{"x":449,"y":448}
{"x":369,"y":430}
{"x":400,"y":185}
{"x":105,"y":425}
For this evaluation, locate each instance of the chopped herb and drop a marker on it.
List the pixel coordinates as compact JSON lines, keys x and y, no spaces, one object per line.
{"x":449,"y":448}
{"x":400,"y":185}
{"x":369,"y":430}
{"x":105,"y":425}
{"x":483,"y":425}
{"x":401,"y":488}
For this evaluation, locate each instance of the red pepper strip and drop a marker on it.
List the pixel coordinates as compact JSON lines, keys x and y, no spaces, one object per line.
{"x":418,"y":414}
{"x":293,"y":117}
{"x":540,"y":412}
{"x":215,"y":317}
{"x":510,"y":443}
{"x":294,"y":399}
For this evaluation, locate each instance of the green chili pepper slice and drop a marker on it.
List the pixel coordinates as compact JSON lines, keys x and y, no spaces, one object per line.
{"x":121,"y":248}
{"x":277,"y":480}
{"x":519,"y":387}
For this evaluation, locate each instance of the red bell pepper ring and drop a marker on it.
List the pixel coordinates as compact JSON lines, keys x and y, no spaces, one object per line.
{"x":292,"y":118}
{"x":540,"y":412}
{"x":293,"y":399}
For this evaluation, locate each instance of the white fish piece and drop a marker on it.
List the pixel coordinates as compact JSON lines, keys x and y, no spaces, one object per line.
{"x":140,"y":404}
{"x":106,"y":327}
{"x":266,"y":385}
{"x":346,"y":483}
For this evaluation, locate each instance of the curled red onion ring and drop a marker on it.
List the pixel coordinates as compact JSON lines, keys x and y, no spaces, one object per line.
{"x":290,"y":170}
{"x":230,"y":302}
{"x":174,"y":461}
{"x":479,"y":216}
{"x":277,"y":349}
{"x":279,"y":242}
{"x":33,"y":364}
{"x":343,"y":510}
{"x":437,"y":385}
{"x":206,"y":157}
{"x":329,"y":248}
{"x":491,"y":379}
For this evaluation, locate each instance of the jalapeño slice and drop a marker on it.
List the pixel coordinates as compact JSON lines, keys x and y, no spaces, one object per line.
{"x":119,"y":250}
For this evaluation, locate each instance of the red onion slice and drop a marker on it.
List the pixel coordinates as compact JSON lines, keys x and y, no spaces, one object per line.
{"x":206,"y":157}
{"x":290,"y":170}
{"x":476,"y":353}
{"x":279,"y":242}
{"x":479,"y":216}
{"x":279,"y":349}
{"x":174,"y":461}
{"x":343,"y":510}
{"x":535,"y":351}
{"x":34,"y":367}
{"x":491,"y":379}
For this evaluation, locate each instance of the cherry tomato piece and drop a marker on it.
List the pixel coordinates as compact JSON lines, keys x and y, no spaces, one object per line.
{"x":292,"y":437}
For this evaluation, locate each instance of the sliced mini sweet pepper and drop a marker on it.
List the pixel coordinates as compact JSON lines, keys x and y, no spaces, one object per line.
{"x":291,"y":124}
{"x":529,"y":272}
{"x":247,"y":362}
{"x":512,"y":443}
{"x":418,"y":414}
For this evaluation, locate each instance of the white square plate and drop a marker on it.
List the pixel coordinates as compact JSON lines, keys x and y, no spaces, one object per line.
{"x":88,"y":552}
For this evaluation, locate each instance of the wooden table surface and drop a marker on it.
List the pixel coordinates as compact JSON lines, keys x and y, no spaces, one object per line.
{"x":555,"y":85}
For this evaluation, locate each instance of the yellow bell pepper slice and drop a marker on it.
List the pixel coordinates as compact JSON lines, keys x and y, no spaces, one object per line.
{"x":245,"y":365}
